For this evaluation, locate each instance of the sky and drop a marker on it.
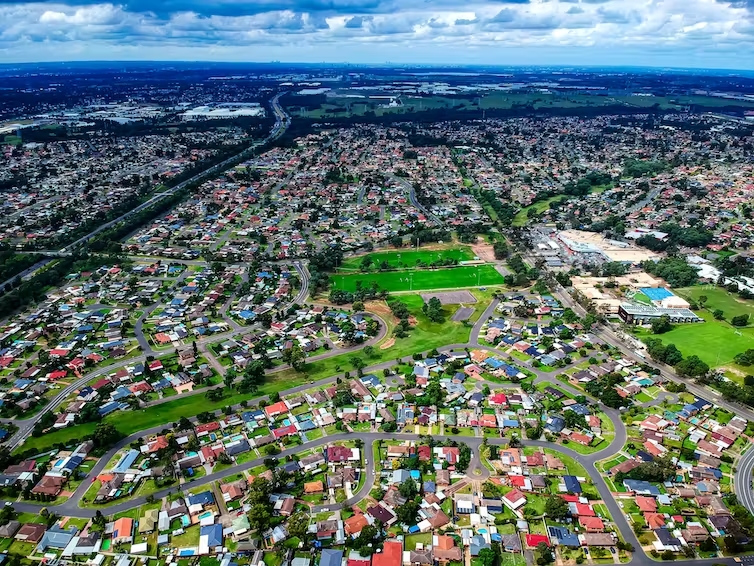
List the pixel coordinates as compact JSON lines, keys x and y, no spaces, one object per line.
{"x":677,"y":33}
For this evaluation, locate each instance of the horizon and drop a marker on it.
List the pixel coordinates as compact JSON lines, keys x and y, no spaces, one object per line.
{"x":689,"y":34}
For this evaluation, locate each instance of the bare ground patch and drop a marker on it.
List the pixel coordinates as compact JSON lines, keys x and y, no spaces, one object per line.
{"x":483,"y":250}
{"x":387,"y":343}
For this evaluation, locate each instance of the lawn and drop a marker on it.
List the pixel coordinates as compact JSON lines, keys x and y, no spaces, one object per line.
{"x":718,"y":298}
{"x":715,"y":342}
{"x":446,"y":278}
{"x":402,"y":259}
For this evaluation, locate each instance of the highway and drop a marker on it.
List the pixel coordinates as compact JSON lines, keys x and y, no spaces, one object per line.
{"x":25,"y":426}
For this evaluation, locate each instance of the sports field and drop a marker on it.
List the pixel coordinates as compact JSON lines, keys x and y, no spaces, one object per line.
{"x":421,"y":279}
{"x":715,"y":342}
{"x":718,"y":298}
{"x":403,"y":259}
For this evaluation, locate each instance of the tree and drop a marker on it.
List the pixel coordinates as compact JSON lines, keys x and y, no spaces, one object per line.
{"x":487,"y":557}
{"x":295,"y":357}
{"x":358,"y":364}
{"x":408,"y":489}
{"x":555,"y":506}
{"x":358,"y":306}
{"x":433,"y":310}
{"x":692,"y":366}
{"x":702,"y":299}
{"x":105,"y":435}
{"x":407,"y":512}
{"x":230,"y":377}
{"x":545,"y":554}
{"x":259,"y":517}
{"x":214,"y":395}
{"x":740,"y":320}
{"x":661,"y":325}
{"x":298,"y":525}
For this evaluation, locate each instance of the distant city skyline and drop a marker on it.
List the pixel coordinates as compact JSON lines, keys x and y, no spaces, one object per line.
{"x":677,"y":33}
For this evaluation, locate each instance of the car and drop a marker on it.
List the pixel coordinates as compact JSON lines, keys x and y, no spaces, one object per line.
{"x":612,"y":550}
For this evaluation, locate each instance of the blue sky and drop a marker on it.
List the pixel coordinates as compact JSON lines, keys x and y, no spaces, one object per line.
{"x":679,"y":33}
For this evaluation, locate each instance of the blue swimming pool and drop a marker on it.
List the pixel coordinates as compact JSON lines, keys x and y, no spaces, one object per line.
{"x":185,"y":521}
{"x":205,"y":515}
{"x":187,"y":552}
{"x":287,"y":422}
{"x":482,"y":531}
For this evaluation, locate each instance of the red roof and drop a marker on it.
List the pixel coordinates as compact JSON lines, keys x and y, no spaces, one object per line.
{"x":646,"y":503}
{"x":276,"y":409}
{"x":284,"y":431}
{"x":155,"y":365}
{"x":534,"y":540}
{"x":570,"y":498}
{"x":58,"y":352}
{"x":593,"y":523}
{"x":584,"y":510}
{"x":101,"y":383}
{"x":518,"y":481}
{"x":498,"y":399}
{"x":57,"y":374}
{"x":391,"y":555}
{"x":425,"y":454}
{"x":207,"y":427}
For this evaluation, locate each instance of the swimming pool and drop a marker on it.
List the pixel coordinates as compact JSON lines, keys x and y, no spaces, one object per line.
{"x":205,"y":515}
{"x":187,"y":552}
{"x":212,"y":436}
{"x":185,"y":520}
{"x":236,"y":437}
{"x":482,"y":531}
{"x":287,"y":422}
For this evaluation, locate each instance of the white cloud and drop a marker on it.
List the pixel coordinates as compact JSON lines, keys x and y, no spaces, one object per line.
{"x":665,"y":32}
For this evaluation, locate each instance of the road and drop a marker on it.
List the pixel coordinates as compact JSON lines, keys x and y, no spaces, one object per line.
{"x":414,"y":201}
{"x":27,"y":425}
{"x":476,"y":469}
{"x":282,"y":121}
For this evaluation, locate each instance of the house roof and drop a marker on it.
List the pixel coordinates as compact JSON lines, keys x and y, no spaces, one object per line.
{"x":391,"y":555}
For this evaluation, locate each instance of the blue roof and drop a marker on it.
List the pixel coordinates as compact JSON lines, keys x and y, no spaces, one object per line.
{"x":563,"y":536}
{"x":214,"y":534}
{"x":641,"y":486}
{"x":126,"y":462}
{"x":572,"y":484}
{"x":331,"y":557}
{"x":203,"y":498}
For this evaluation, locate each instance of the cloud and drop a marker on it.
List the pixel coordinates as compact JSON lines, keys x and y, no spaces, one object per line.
{"x":703,"y":32}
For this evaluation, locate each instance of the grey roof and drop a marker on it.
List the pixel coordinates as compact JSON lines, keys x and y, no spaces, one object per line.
{"x":56,"y":538}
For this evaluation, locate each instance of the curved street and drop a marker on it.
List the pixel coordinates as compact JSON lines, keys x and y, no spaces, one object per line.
{"x":476,"y":470}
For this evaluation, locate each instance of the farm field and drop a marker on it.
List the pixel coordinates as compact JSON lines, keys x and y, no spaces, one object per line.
{"x":419,"y":280}
{"x":402,"y":259}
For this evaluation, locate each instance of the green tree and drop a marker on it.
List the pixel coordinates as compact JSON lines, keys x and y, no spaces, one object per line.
{"x":555,"y":506}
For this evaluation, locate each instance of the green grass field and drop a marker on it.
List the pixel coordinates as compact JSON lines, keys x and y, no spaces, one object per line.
{"x":345,"y":107}
{"x":419,"y":280}
{"x":718,"y":298}
{"x":715,"y":342}
{"x":402,"y":259}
